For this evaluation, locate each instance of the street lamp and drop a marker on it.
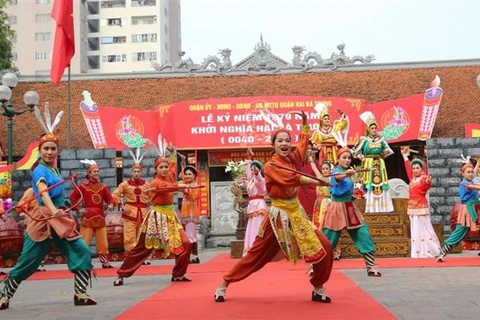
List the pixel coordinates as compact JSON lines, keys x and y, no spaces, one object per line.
{"x":31,"y":99}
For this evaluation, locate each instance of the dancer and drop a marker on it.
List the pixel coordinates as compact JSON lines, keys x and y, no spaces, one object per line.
{"x":50,"y":223}
{"x":424,"y":241}
{"x":372,"y":149}
{"x":135,"y":204}
{"x":161,"y":229}
{"x":190,"y":212}
{"x":323,"y":199}
{"x":257,"y":207}
{"x":93,"y":194}
{"x":467,"y":216}
{"x":327,"y":137}
{"x":343,"y":213}
{"x":286,"y":229}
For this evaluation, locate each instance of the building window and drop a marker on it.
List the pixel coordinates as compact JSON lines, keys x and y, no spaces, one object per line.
{"x":12,"y":20}
{"x":12,"y":2}
{"x":42,"y":18}
{"x":42,"y":36}
{"x":42,"y":55}
{"x":145,"y":37}
{"x":114,"y":22}
{"x":144,"y":20}
{"x":110,"y":40}
{"x":113,"y":4}
{"x":166,"y":29}
{"x":14,"y":56}
{"x":165,"y":12}
{"x":143,"y":3}
{"x":43,"y":1}
{"x":144,"y":56}
{"x":114,"y":58}
{"x":166,"y":46}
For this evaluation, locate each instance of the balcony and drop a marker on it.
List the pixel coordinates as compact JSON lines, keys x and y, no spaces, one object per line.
{"x":93,"y":62}
{"x":93,"y":25}
{"x":144,"y":3}
{"x":138,"y":20}
{"x":93,"y":8}
{"x":113,"y":4}
{"x":93,"y":44}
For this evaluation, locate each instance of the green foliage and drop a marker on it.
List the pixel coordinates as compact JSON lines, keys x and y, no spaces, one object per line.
{"x":6,"y":62}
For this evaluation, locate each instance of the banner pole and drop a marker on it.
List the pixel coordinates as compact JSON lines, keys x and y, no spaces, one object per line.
{"x":69,"y":105}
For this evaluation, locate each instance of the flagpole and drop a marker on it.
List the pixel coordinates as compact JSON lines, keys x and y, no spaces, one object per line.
{"x":69,"y":105}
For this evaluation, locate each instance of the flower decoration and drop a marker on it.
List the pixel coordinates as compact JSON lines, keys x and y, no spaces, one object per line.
{"x":237,"y":170}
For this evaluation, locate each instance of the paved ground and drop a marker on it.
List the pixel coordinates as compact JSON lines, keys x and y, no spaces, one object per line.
{"x":423,"y":293}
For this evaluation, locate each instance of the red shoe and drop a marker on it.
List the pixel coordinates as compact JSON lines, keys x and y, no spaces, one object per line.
{"x":83,"y":299}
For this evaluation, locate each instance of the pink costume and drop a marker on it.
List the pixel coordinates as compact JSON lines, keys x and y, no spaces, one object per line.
{"x":257,"y":208}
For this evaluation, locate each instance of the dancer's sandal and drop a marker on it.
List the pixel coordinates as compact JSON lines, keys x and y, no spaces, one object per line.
{"x":4,"y":303}
{"x":118,"y":282}
{"x":146,"y":263}
{"x":195,"y":261}
{"x":83,"y":299}
{"x":107,"y":266}
{"x":337,"y":255}
{"x":181,"y":279}
{"x":440,"y":258}
{"x":319,"y":295}
{"x":220,"y":294}
{"x":374,"y":272}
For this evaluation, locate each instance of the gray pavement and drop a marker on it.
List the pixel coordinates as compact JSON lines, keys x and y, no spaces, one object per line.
{"x":409,"y":293}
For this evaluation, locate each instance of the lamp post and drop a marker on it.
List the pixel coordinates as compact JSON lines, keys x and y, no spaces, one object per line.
{"x":31,"y":98}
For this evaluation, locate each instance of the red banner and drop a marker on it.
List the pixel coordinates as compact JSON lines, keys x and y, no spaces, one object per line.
{"x":472,"y":130}
{"x":237,"y":123}
{"x":205,"y":191}
{"x":221,"y":158}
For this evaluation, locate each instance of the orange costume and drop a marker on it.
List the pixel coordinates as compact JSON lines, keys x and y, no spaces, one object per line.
{"x":190,"y":213}
{"x":286,"y":228}
{"x":161,"y":229}
{"x":136,"y":200}
{"x":94,"y":194}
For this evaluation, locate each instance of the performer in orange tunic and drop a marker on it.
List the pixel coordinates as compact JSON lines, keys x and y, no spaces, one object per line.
{"x":286,"y":228}
{"x":94,"y":194}
{"x":135,"y":203}
{"x":161,"y":229}
{"x":190,"y":213}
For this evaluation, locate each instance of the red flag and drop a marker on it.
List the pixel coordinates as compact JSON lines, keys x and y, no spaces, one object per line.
{"x":64,"y":46}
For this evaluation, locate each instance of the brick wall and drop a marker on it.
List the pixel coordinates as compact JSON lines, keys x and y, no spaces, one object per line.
{"x":443,"y":155}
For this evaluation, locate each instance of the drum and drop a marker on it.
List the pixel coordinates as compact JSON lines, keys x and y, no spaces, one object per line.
{"x":11,"y":241}
{"x":114,"y":222}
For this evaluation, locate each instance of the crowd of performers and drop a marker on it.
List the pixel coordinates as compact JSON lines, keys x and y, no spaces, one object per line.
{"x":312,"y":194}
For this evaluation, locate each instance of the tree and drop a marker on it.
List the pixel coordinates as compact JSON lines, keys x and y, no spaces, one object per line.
{"x":6,"y":34}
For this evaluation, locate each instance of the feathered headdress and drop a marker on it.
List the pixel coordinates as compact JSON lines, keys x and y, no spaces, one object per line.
{"x":47,"y":125}
{"x":275,"y":121}
{"x":137,"y":158}
{"x":322,"y":110}
{"x":161,"y":150}
{"x":92,"y":165}
{"x":368,"y":118}
{"x":466,"y":163}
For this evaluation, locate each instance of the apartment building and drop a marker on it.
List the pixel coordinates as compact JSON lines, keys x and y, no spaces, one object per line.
{"x":111,"y":36}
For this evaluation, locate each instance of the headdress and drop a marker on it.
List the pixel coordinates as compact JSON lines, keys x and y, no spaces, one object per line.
{"x":417,"y":161}
{"x":342,"y":151}
{"x":368,"y":118}
{"x":275,"y":121}
{"x":47,"y":125}
{"x":191,"y":168}
{"x":466,"y":163}
{"x":322,"y":110}
{"x":137,"y":158}
{"x":92,"y":165}
{"x":256,"y":163}
{"x":162,"y":151}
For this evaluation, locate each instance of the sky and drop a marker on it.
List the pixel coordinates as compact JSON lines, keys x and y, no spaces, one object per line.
{"x":392,"y":30}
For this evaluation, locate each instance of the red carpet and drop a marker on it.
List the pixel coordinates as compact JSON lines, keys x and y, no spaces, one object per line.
{"x":275,"y":292}
{"x":223,"y":262}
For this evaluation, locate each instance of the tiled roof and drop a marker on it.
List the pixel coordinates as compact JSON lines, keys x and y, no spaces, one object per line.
{"x":459,"y":106}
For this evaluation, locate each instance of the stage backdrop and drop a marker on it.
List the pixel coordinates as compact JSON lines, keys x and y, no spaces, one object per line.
{"x":236,"y":123}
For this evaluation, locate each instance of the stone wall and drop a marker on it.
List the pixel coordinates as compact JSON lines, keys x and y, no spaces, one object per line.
{"x":443,"y":155}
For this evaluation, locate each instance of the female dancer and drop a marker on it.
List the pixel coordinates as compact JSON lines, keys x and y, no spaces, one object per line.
{"x":343,"y":213}
{"x":190,"y":213}
{"x":372,"y":149}
{"x":161,"y":229}
{"x":50,"y":223}
{"x":287,"y":228}
{"x":467,"y":216}
{"x":425,"y":242}
{"x":257,"y":207}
